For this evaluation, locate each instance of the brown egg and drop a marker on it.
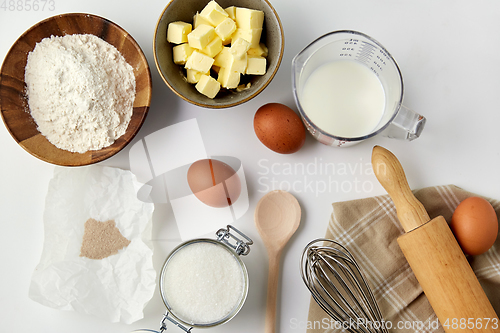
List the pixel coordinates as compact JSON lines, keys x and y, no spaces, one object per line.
{"x":214,"y":183}
{"x":279,"y":128}
{"x":475,"y":225}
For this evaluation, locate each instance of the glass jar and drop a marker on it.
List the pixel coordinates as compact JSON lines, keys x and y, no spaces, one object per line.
{"x":203,"y":278}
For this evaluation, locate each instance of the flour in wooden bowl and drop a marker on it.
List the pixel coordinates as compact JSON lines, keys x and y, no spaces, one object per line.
{"x":80,"y":91}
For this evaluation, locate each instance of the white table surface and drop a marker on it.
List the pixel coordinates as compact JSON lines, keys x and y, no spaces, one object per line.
{"x":448,"y":54}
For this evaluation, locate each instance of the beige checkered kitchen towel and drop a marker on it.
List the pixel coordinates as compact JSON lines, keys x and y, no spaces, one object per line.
{"x":369,"y":229}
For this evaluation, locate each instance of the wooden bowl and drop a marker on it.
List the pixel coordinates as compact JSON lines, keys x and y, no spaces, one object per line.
{"x":174,"y":76}
{"x":13,"y":99}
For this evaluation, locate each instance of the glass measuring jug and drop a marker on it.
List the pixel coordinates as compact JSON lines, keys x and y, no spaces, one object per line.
{"x":395,"y":120}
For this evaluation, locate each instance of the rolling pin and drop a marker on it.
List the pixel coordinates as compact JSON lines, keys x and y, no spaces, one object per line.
{"x":434,"y":256}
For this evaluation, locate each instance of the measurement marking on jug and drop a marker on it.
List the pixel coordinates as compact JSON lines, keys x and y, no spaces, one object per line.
{"x":364,"y":57}
{"x":363,"y":61}
{"x":352,"y":42}
{"x":386,"y":56}
{"x":366,"y":50}
{"x":382,"y":61}
{"x":374,"y":71}
{"x":368,"y":45}
{"x":378,"y":65}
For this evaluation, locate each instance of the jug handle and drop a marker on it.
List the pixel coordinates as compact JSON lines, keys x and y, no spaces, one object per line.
{"x":407,"y":125}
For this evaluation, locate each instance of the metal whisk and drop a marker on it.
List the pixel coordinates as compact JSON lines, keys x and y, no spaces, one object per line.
{"x":337,"y":284}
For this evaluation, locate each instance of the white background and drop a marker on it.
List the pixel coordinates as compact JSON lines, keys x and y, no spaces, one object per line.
{"x":448,"y":53}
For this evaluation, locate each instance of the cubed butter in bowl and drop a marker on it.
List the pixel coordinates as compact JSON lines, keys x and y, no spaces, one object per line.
{"x":218,"y":54}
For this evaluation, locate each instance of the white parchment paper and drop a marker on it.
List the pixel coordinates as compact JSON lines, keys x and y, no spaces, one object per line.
{"x":115,"y":288}
{"x":161,"y":161}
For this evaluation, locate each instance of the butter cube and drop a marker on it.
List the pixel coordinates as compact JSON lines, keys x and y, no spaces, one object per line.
{"x":213,"y":48}
{"x":228,"y":79}
{"x":193,"y":76}
{"x":249,"y":18}
{"x":201,"y":36}
{"x":231,"y":11}
{"x":259,"y":51}
{"x":256,"y":65}
{"x":199,"y":62}
{"x":177,"y":32}
{"x":239,"y":47}
{"x":250,"y":35}
{"x":237,"y":64}
{"x":214,"y":13}
{"x":223,"y":58}
{"x":225,"y":29}
{"x":199,"y":20}
{"x":182,"y":53}
{"x":208,"y":86}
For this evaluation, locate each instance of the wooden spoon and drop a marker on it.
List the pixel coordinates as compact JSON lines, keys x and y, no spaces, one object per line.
{"x":277,"y":217}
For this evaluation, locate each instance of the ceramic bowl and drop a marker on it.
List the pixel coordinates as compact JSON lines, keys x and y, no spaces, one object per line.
{"x":174,"y":75}
{"x":13,"y":99}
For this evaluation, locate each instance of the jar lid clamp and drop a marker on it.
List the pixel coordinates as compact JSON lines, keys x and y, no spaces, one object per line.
{"x":242,"y":247}
{"x":173,"y":321}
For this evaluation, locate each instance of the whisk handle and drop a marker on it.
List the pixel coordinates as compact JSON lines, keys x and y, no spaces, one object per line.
{"x":390,"y":174}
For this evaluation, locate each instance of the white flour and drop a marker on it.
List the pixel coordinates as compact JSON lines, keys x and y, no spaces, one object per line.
{"x":80,"y":91}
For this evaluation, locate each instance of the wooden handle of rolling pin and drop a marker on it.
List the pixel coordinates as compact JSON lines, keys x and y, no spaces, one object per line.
{"x":435,"y":257}
{"x":390,"y":174}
